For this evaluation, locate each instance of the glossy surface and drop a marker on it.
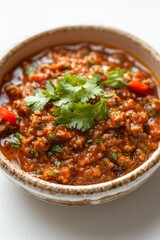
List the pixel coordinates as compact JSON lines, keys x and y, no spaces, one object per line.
{"x":112,"y":148}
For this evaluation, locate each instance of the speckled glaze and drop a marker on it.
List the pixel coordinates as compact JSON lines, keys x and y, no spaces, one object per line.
{"x":90,"y":194}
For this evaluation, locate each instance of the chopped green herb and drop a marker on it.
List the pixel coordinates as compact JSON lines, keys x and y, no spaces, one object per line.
{"x":38,"y":101}
{"x":50,"y":136}
{"x":91,"y":62}
{"x":98,"y":76}
{"x":41,"y":126}
{"x":90,"y":133}
{"x":80,"y":116}
{"x":17,"y":121}
{"x":38,"y":172}
{"x":115,"y":156}
{"x":134,"y":140}
{"x":85,"y":52}
{"x":65,"y":67}
{"x":144,"y":148}
{"x":99,"y":140}
{"x":50,"y":154}
{"x":51,"y":173}
{"x":94,"y":163}
{"x":71,"y":95}
{"x":90,"y":141}
{"x":120,"y":58}
{"x":15,"y":140}
{"x":115,"y":79}
{"x":34,"y":153}
{"x":122,"y":165}
{"x":56,"y":162}
{"x":56,"y":148}
{"x":31,"y":69}
{"x":31,"y":151}
{"x":62,"y":163}
{"x":153,"y":113}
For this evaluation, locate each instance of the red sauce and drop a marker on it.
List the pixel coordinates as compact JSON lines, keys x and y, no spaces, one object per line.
{"x":112,"y":147}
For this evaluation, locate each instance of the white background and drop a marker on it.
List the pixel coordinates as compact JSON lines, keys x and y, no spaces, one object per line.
{"x":136,"y":216}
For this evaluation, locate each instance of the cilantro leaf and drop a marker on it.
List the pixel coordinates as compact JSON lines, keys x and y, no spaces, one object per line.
{"x":55,"y":171}
{"x":62,"y":115}
{"x":15,"y":140}
{"x":116,"y":79}
{"x":30,"y":69}
{"x":56,"y":148}
{"x":76,"y":89}
{"x":38,"y":101}
{"x":153,"y":113}
{"x":115,"y":156}
{"x":101,"y":110}
{"x":50,"y":87}
{"x":92,"y":90}
{"x":82,"y":116}
{"x":98,"y":76}
{"x":71,"y":95}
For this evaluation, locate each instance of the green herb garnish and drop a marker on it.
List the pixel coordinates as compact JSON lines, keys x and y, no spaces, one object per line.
{"x":56,"y":162}
{"x":115,"y":79}
{"x":56,"y":148}
{"x":50,"y":154}
{"x":31,"y":69}
{"x":50,"y":136}
{"x":91,"y":62}
{"x":90,"y":133}
{"x":122,"y":165}
{"x":15,"y":140}
{"x":120,"y":58}
{"x":99,"y":140}
{"x":115,"y":156}
{"x":38,"y":172}
{"x":51,"y":173}
{"x":85,"y":52}
{"x":153,"y":113}
{"x":41,"y":126}
{"x":98,"y":76}
{"x":34,"y":153}
{"x":144,"y":148}
{"x":65,"y":67}
{"x":94,"y":164}
{"x":71,"y":95}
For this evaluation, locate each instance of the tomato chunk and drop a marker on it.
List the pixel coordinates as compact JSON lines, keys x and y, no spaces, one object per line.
{"x":39,"y":77}
{"x":138,"y":87}
{"x":8,"y":115}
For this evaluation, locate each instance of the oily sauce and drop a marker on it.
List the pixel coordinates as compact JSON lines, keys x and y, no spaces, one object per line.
{"x":112,"y":148}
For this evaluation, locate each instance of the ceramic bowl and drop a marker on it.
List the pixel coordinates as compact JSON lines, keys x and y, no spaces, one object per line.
{"x":90,"y":194}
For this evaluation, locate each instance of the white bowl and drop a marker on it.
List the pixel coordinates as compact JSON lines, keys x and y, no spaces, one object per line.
{"x":90,"y":194}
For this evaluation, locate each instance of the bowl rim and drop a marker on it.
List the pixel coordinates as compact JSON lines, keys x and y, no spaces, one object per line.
{"x":34,"y":182}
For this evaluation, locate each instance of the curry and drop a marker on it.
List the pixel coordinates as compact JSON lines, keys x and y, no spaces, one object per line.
{"x":79,"y":114}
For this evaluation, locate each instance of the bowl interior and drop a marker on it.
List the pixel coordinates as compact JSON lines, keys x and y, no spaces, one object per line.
{"x":78,"y":34}
{"x":68,"y":35}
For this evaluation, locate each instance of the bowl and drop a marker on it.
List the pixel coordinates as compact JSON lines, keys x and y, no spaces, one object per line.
{"x":89,"y":194}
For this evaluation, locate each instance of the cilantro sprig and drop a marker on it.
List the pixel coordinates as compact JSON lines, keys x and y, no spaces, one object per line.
{"x":72,"y":95}
{"x":82,"y":116}
{"x":31,"y":68}
{"x":115,"y":78}
{"x":15,"y":140}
